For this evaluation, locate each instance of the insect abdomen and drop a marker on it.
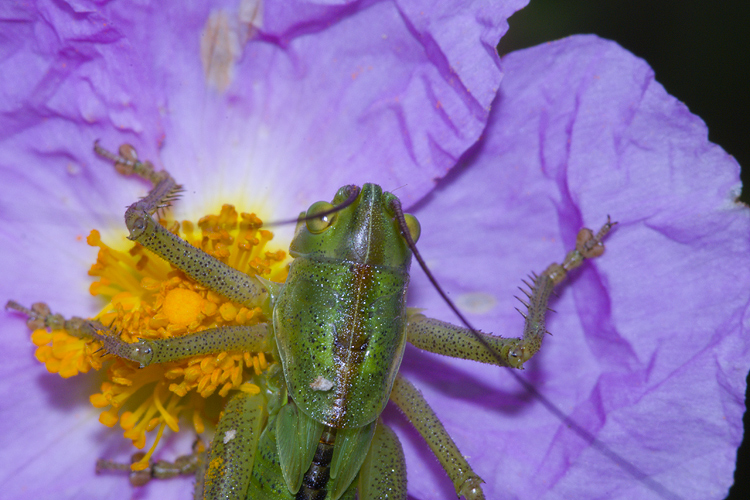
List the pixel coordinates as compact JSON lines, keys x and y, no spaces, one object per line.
{"x":316,"y":478}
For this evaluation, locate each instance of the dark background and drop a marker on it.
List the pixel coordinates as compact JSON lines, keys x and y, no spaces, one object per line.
{"x":700,"y":52}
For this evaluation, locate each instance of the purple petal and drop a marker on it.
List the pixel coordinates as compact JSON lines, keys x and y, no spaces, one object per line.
{"x":650,"y":346}
{"x":238,"y":107}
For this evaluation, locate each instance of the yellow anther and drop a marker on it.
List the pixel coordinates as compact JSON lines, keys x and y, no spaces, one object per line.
{"x":179,"y":389}
{"x":150,"y":284}
{"x":228,"y":362}
{"x":241,"y":317}
{"x":41,"y":337}
{"x":249,"y":388}
{"x":151,"y":425}
{"x":98,"y":401}
{"x":209,"y":308}
{"x":159,"y":320}
{"x":198,"y":422}
{"x":174,"y":373}
{"x":228,"y":311}
{"x":128,"y":420}
{"x":148,"y":299}
{"x":43,"y":354}
{"x":108,"y":418}
{"x":203,"y":384}
{"x":225,"y":389}
{"x":176,"y":330}
{"x":122,"y":381}
{"x":207,"y":365}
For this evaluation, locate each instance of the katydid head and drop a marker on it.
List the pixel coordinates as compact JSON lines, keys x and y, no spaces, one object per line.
{"x":359,"y":225}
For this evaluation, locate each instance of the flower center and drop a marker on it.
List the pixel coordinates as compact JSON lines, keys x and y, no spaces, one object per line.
{"x":149,"y":299}
{"x":182,"y":306}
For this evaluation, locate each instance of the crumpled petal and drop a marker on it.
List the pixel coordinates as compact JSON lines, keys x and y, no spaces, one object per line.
{"x":649,"y":351}
{"x":325,"y":92}
{"x":237,"y":108}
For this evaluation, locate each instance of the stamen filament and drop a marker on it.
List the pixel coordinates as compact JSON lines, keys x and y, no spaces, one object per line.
{"x":143,"y":463}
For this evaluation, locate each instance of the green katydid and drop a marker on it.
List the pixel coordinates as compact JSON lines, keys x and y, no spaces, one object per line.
{"x":338,"y":326}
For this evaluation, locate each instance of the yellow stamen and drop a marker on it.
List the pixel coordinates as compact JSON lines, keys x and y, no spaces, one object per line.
{"x":109,"y":417}
{"x":143,"y":463}
{"x":198,"y":422}
{"x":249,"y":388}
{"x":148,"y":299}
{"x":168,"y":419}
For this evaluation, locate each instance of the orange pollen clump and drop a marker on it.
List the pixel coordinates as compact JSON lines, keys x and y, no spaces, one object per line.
{"x":149,"y":299}
{"x":182,"y":306}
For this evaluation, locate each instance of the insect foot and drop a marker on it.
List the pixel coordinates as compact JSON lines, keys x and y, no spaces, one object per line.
{"x":588,"y":246}
{"x":468,"y":343}
{"x":203,"y":268}
{"x":69,"y":348}
{"x":184,"y":465}
{"x":40,"y":316}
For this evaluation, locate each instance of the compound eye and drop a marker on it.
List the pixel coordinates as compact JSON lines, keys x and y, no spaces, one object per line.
{"x":412,"y":224}
{"x":317,"y":224}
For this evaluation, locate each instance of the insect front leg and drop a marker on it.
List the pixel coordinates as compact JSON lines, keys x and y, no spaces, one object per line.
{"x":459,"y":342}
{"x":256,"y":338}
{"x":203,"y":268}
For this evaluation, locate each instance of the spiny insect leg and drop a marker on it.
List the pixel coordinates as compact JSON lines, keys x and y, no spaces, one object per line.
{"x":588,"y":246}
{"x":183,"y":465}
{"x":411,"y":402}
{"x":203,"y":268}
{"x":444,"y":338}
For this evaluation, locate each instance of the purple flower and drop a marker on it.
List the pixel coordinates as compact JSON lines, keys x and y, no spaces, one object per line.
{"x":272,"y":107}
